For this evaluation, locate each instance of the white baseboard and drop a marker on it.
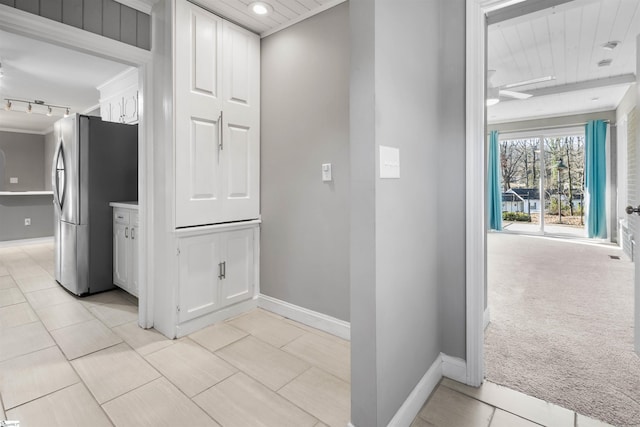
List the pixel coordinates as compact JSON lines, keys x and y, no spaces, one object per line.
{"x":487,"y":317}
{"x":454,"y":368}
{"x":21,"y":242}
{"x":308,"y":317}
{"x":448,"y":366}
{"x":420,"y":393}
{"x":198,"y":323}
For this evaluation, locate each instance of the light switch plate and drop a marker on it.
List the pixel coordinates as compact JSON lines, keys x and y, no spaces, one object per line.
{"x":389,"y":162}
{"x":326,"y":172}
{"x":13,"y":180}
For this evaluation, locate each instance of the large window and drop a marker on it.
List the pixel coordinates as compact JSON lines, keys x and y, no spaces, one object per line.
{"x":543,"y":183}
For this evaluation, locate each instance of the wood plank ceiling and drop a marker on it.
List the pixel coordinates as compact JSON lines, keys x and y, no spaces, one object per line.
{"x":565,"y":41}
{"x":285,"y":12}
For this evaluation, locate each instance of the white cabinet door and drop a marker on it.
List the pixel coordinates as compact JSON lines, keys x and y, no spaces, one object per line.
{"x":120,"y":253}
{"x":133,"y":257}
{"x":217,"y":107}
{"x":107,"y":112}
{"x":198,"y":106}
{"x":199,"y":271}
{"x":130,"y":106}
{"x":241,"y":124}
{"x":237,"y":284}
{"x":216,"y":270}
{"x":125,"y":249}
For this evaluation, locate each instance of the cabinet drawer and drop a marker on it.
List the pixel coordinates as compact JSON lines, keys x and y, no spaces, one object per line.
{"x":121,"y":216}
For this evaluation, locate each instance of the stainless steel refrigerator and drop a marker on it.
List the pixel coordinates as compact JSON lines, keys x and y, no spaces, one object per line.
{"x":94,"y":163}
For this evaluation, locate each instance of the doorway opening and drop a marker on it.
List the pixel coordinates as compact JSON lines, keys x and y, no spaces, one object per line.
{"x":556,"y":292}
{"x":542,"y":183}
{"x":35,"y":28}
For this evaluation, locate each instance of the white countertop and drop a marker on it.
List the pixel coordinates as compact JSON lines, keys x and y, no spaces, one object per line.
{"x":125,"y":205}
{"x":26,"y":193}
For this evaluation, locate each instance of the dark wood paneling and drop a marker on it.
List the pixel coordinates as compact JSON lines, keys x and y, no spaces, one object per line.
{"x":144,"y":31}
{"x":111,"y":19}
{"x":105,"y":17}
{"x":51,"y":9}
{"x":31,"y":6}
{"x":72,"y":12}
{"x":128,"y":32}
{"x":92,"y":16}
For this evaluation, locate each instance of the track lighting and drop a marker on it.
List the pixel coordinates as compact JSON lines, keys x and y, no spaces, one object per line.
{"x":36,"y":106}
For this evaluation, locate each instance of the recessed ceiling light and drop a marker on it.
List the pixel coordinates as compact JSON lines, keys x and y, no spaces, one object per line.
{"x":595,"y":99}
{"x":260,"y":8}
{"x":605,"y":62}
{"x":610,"y":45}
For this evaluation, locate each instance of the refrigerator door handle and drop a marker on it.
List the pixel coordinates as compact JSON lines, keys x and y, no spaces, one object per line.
{"x":58,"y":177}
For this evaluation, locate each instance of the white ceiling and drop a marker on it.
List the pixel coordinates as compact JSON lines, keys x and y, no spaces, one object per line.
{"x":564,"y":41}
{"x":285,"y":12}
{"x":35,"y":70}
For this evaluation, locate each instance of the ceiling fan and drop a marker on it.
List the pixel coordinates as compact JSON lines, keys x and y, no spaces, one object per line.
{"x":495,"y":92}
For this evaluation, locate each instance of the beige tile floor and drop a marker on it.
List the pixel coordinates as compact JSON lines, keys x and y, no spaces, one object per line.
{"x":453,"y":404}
{"x":67,"y":361}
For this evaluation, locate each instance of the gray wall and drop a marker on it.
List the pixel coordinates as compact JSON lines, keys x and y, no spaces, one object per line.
{"x":396,"y":91}
{"x":49,"y":148}
{"x":451,"y":172}
{"x":105,"y":17}
{"x":13,"y":211}
{"x":305,"y":123}
{"x":24,"y":156}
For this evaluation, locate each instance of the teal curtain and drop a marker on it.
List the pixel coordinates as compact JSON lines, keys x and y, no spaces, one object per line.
{"x":595,"y":178}
{"x":495,"y":196}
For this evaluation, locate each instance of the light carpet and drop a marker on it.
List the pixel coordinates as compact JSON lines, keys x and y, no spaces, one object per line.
{"x":562,"y":325}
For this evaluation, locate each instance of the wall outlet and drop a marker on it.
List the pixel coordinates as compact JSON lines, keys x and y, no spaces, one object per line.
{"x":13,"y":180}
{"x":27,"y":221}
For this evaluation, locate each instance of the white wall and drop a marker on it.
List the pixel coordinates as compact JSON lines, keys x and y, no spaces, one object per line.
{"x":623,"y":117}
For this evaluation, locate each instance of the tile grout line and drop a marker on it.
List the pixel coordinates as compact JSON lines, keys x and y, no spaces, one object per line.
{"x":498,"y":407}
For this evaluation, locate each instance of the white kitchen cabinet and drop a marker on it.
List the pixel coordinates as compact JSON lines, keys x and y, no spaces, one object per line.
{"x":216,"y":270}
{"x":126,"y":230}
{"x":119,"y":98}
{"x":217,"y":118}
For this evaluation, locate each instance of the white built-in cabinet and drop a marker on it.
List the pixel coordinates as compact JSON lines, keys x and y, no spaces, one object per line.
{"x":216,"y":149}
{"x":217,"y":119}
{"x":126,"y":230}
{"x":216,"y":270}
{"x":119,"y":98}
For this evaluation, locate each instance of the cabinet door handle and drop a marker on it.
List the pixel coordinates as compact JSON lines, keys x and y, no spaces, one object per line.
{"x":132,"y":233}
{"x":224,"y":269}
{"x":126,"y":232}
{"x":220,"y":276}
{"x":221,"y":125}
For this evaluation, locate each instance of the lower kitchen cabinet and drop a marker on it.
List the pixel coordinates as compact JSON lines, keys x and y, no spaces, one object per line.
{"x":126,"y":231}
{"x":216,"y":270}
